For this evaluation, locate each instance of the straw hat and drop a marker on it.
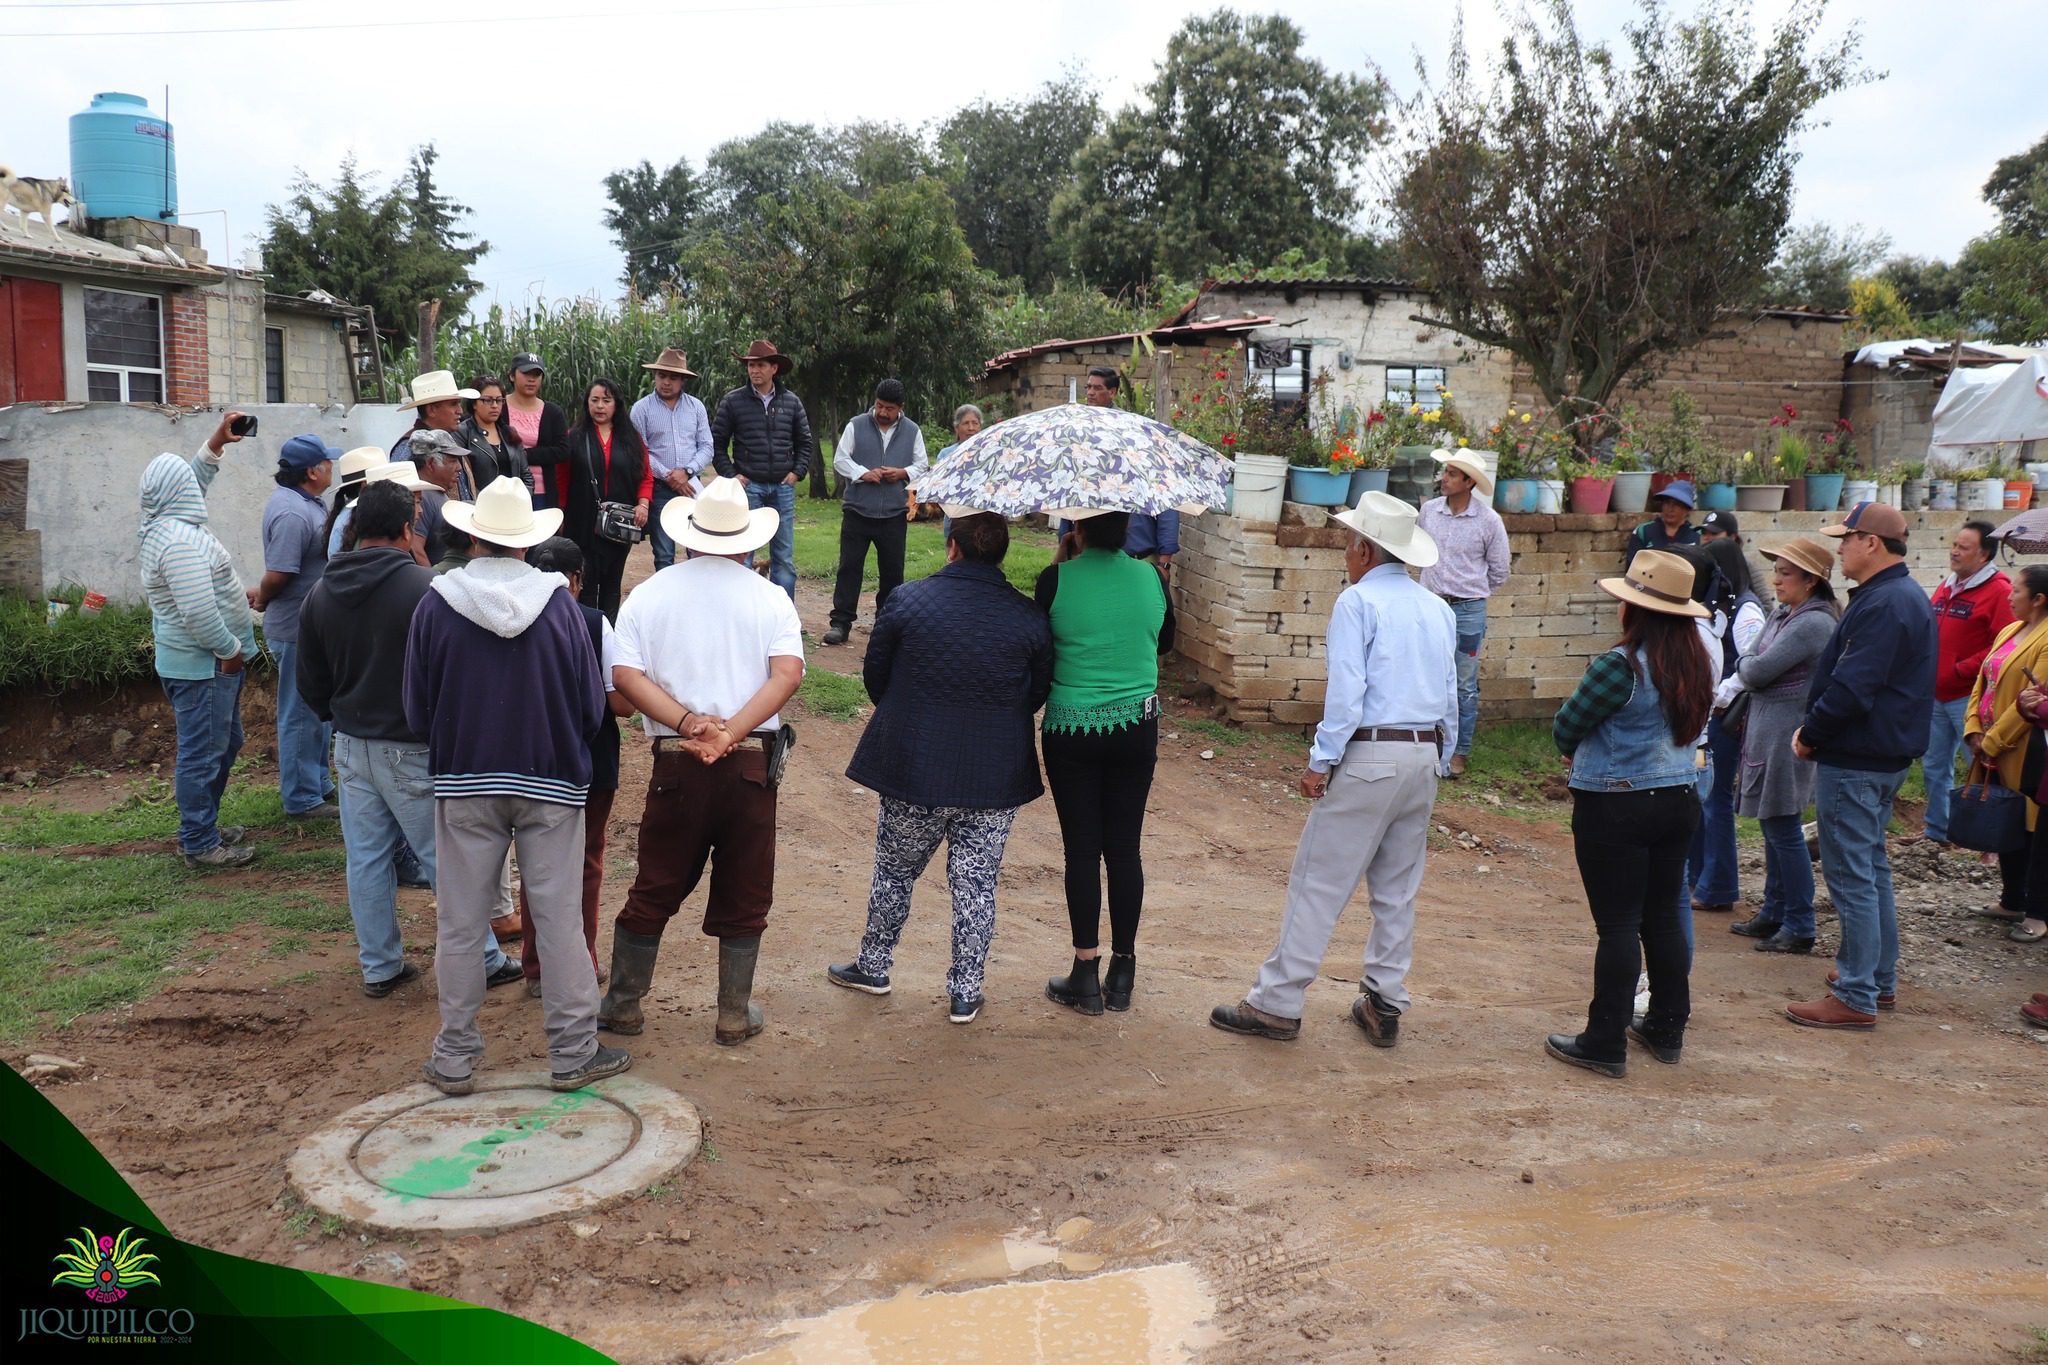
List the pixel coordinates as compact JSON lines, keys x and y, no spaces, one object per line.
{"x":718,"y":521}
{"x":1468,"y":463}
{"x":404,"y":473}
{"x":1806,"y":554}
{"x":503,"y":514}
{"x":1657,"y":581}
{"x":435,"y":386}
{"x":1389,"y":523}
{"x":672,"y":361}
{"x":350,"y":469}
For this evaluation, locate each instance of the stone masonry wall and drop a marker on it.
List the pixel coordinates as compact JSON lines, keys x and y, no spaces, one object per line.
{"x":1254,"y":600}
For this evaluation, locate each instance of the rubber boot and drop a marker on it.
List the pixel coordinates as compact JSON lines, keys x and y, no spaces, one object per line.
{"x":632,"y":973}
{"x":1079,"y":989}
{"x":1118,"y":980}
{"x":739,"y":1018}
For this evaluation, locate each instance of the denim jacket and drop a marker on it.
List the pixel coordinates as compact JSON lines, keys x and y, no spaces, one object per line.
{"x":1632,"y":749}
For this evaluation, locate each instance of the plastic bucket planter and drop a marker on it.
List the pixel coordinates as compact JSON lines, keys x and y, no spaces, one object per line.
{"x":1981,"y":495}
{"x":1258,"y":487}
{"x":1591,"y":495}
{"x":1550,"y":495}
{"x":1631,"y":491}
{"x":1517,"y":495}
{"x":2019,"y":494}
{"x":1717,"y":497}
{"x":1318,"y":487}
{"x":1913,"y":495}
{"x":1824,"y":492}
{"x":1365,"y":481}
{"x":1942,"y":495}
{"x":1760,"y":497}
{"x":1858,"y":490}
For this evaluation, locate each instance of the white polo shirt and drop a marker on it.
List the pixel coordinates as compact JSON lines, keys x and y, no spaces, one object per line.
{"x":703,"y":630}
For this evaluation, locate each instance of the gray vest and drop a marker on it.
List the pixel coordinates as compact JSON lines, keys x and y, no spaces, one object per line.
{"x":880,"y":499}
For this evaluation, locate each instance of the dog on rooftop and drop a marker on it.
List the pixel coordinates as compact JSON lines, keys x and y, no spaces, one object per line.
{"x":28,"y":195}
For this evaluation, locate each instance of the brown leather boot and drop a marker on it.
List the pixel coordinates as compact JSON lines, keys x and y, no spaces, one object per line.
{"x":739,"y":1018}
{"x":1884,"y":1002}
{"x":1828,"y":1012}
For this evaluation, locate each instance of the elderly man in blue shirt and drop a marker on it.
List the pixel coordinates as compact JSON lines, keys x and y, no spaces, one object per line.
{"x":677,"y":433}
{"x":1390,"y":709}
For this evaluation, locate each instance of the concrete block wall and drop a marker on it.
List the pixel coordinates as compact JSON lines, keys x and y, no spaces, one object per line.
{"x":234,"y":340}
{"x":315,"y":359}
{"x":1255,"y":598}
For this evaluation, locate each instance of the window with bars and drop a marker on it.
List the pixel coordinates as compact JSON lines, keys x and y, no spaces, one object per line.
{"x":124,"y":347}
{"x":273,"y":364}
{"x":1411,"y":384}
{"x":1281,"y":369}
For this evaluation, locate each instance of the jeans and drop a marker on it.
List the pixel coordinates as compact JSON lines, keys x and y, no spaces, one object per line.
{"x":208,"y":714}
{"x":1631,"y":854}
{"x":1099,"y":783}
{"x":1852,"y":809}
{"x":664,"y":548}
{"x":782,"y":549}
{"x":303,"y":738}
{"x":1788,"y":876}
{"x":856,"y":534}
{"x":387,"y":798}
{"x":1711,"y":865}
{"x":1471,"y":618}
{"x":1938,"y":764}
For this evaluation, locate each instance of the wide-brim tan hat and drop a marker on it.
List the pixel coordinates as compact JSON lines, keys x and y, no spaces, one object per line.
{"x":718,"y":521}
{"x":1389,"y":523}
{"x":435,"y":386}
{"x":1806,"y":554}
{"x":1657,"y":581}
{"x":672,"y":361}
{"x":1468,"y":463}
{"x":504,"y":514}
{"x":404,"y":473}
{"x":351,"y":468}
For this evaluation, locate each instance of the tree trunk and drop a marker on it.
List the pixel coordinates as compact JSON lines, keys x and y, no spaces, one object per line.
{"x":430,"y":326}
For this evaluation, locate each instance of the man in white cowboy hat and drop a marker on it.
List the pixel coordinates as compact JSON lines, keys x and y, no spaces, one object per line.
{"x":677,"y":433}
{"x":1391,"y":705}
{"x":499,"y":639}
{"x":438,"y":401}
{"x":1472,"y":563}
{"x":709,"y":653}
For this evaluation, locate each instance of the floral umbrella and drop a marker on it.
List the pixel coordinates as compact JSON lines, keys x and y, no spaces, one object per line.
{"x":1077,"y":458}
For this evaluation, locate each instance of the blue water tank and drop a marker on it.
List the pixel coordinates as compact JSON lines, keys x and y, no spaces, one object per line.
{"x":123,"y":162}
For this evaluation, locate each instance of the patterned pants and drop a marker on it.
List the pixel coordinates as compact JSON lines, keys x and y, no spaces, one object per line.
{"x":906,"y":837}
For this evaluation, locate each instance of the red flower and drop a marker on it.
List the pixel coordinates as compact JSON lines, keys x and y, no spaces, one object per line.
{"x":1230,"y":438}
{"x":1223,"y":374}
{"x":1791,"y":411}
{"x":1842,"y":424}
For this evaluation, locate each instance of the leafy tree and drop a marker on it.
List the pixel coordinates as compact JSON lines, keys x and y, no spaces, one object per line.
{"x":1596,"y":209}
{"x":1246,"y":147}
{"x":1815,"y":265}
{"x":2018,"y":189}
{"x":999,"y":160}
{"x":1927,"y":286}
{"x":2008,"y":289}
{"x":651,"y":217}
{"x":1070,"y":311}
{"x":1879,"y":312}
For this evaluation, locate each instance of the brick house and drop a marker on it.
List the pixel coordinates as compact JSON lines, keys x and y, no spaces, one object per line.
{"x":1185,"y":352}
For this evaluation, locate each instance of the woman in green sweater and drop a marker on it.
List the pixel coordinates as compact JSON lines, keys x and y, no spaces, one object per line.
{"x":1110,"y":623}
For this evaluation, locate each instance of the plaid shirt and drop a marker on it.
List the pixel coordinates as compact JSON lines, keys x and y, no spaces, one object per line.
{"x":1606,"y":688}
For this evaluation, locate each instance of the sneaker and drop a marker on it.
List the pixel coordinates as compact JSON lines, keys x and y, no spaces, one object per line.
{"x":413,"y":877}
{"x":233,"y":834}
{"x":963,"y":1009}
{"x":836,"y":635}
{"x":219,"y":856}
{"x":326,"y":810}
{"x":854,"y":979}
{"x":606,"y":1061}
{"x":447,"y":1085}
{"x":512,"y":971}
{"x":377,"y":990}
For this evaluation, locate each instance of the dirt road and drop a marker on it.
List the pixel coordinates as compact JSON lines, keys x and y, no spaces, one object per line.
{"x":1782,"y":1195}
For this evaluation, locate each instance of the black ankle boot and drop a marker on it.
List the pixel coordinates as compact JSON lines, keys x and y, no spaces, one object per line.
{"x":1080,"y":989}
{"x":1118,"y":980}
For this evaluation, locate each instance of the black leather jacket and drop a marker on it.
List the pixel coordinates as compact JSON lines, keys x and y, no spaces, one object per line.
{"x":766,"y":442}
{"x":488,"y":462}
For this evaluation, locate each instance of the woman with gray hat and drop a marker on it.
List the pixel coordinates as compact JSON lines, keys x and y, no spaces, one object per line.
{"x":1774,"y":784}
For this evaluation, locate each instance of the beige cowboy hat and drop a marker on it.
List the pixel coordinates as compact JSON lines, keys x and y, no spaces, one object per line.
{"x":503,"y":514}
{"x":354,"y":465}
{"x":1468,"y":463}
{"x":1656,"y":581}
{"x":435,"y":386}
{"x":1389,"y":523}
{"x":673,"y":361}
{"x":718,"y":521}
{"x":1808,"y":554}
{"x":404,"y":473}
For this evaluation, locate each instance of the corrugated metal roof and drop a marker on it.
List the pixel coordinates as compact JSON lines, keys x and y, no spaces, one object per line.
{"x":89,"y":255}
{"x":1167,"y":332}
{"x":1315,"y":282}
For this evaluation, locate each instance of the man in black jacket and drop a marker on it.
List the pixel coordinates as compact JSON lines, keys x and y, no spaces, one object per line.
{"x":761,"y":436}
{"x":351,"y":671}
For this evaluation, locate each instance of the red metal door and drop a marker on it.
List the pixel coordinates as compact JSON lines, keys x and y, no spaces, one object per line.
{"x":31,"y":340}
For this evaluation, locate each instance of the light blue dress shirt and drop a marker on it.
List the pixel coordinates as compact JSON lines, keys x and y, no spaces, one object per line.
{"x":1392,"y":649}
{"x":676,"y":437}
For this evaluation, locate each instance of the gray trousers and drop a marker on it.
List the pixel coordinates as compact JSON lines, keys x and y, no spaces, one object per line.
{"x":1372,"y":825}
{"x":471,"y":836}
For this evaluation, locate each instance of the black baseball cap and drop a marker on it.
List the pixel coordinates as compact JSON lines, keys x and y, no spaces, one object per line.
{"x":1724,"y":522}
{"x":525,"y":362}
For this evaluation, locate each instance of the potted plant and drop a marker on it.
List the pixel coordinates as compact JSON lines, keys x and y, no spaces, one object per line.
{"x":1591,"y":483}
{"x":1235,"y":420}
{"x":1913,"y":487}
{"x":1679,"y":445}
{"x":1755,"y":490}
{"x":2019,"y":487}
{"x":1838,"y":455}
{"x":1890,"y":482}
{"x":1979,"y":488}
{"x":1629,"y":461}
{"x":1515,"y":488}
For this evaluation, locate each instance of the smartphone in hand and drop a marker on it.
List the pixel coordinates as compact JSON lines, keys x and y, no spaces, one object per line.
{"x":244,"y":425}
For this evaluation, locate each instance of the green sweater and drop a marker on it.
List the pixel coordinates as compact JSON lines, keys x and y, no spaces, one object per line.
{"x":1107,"y":612}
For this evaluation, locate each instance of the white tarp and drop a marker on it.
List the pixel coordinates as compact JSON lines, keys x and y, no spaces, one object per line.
{"x":1994,"y":404}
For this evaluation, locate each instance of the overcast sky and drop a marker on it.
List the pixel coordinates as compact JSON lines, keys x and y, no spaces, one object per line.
{"x":530,"y":109}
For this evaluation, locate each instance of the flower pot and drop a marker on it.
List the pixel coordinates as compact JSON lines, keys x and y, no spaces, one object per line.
{"x":1943,"y":495}
{"x":1663,"y":478}
{"x":1890,"y":494}
{"x":1913,"y":495}
{"x":1517,"y":495}
{"x":1591,"y":494}
{"x":2037,"y":470}
{"x":2019,"y":494}
{"x":1759,"y":497}
{"x":1258,"y":488}
{"x":1858,"y":490}
{"x":1364,"y":481}
{"x":1550,"y":495}
{"x":1717,"y":497}
{"x":1317,"y":487}
{"x":1981,"y":495}
{"x":1631,"y":491}
{"x":1824,"y":492}
{"x":1795,"y":495}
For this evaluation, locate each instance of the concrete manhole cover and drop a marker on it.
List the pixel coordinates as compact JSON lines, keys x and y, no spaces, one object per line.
{"x":513,"y":1153}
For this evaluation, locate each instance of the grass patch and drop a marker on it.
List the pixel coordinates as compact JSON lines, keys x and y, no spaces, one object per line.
{"x":299,"y":1224}
{"x":835,"y":696}
{"x":147,"y":812}
{"x":924,"y":548}
{"x":1215,"y":731}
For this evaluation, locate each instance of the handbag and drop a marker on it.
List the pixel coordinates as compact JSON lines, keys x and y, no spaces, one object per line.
{"x":1736,"y":714}
{"x":1986,"y":817}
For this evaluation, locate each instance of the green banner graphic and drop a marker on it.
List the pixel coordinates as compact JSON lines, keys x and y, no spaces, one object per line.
{"x":93,"y":1275}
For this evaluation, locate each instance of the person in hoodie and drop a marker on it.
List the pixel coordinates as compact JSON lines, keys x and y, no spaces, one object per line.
{"x":498,"y":639}
{"x":205,"y":634}
{"x":351,"y":672}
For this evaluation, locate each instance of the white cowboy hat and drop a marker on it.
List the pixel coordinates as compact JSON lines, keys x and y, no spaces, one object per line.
{"x":1389,"y":523}
{"x":434,"y":386}
{"x":1468,"y":463}
{"x":404,"y":473}
{"x":1657,"y":581}
{"x":718,"y":521}
{"x":503,"y":514}
{"x":356,"y":464}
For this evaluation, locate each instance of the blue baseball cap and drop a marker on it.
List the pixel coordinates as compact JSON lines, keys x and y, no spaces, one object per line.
{"x":1681,"y":491}
{"x":303,"y":452}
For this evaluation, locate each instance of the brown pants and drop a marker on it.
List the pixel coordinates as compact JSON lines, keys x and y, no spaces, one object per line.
{"x":597,"y":810}
{"x":693,"y":813}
